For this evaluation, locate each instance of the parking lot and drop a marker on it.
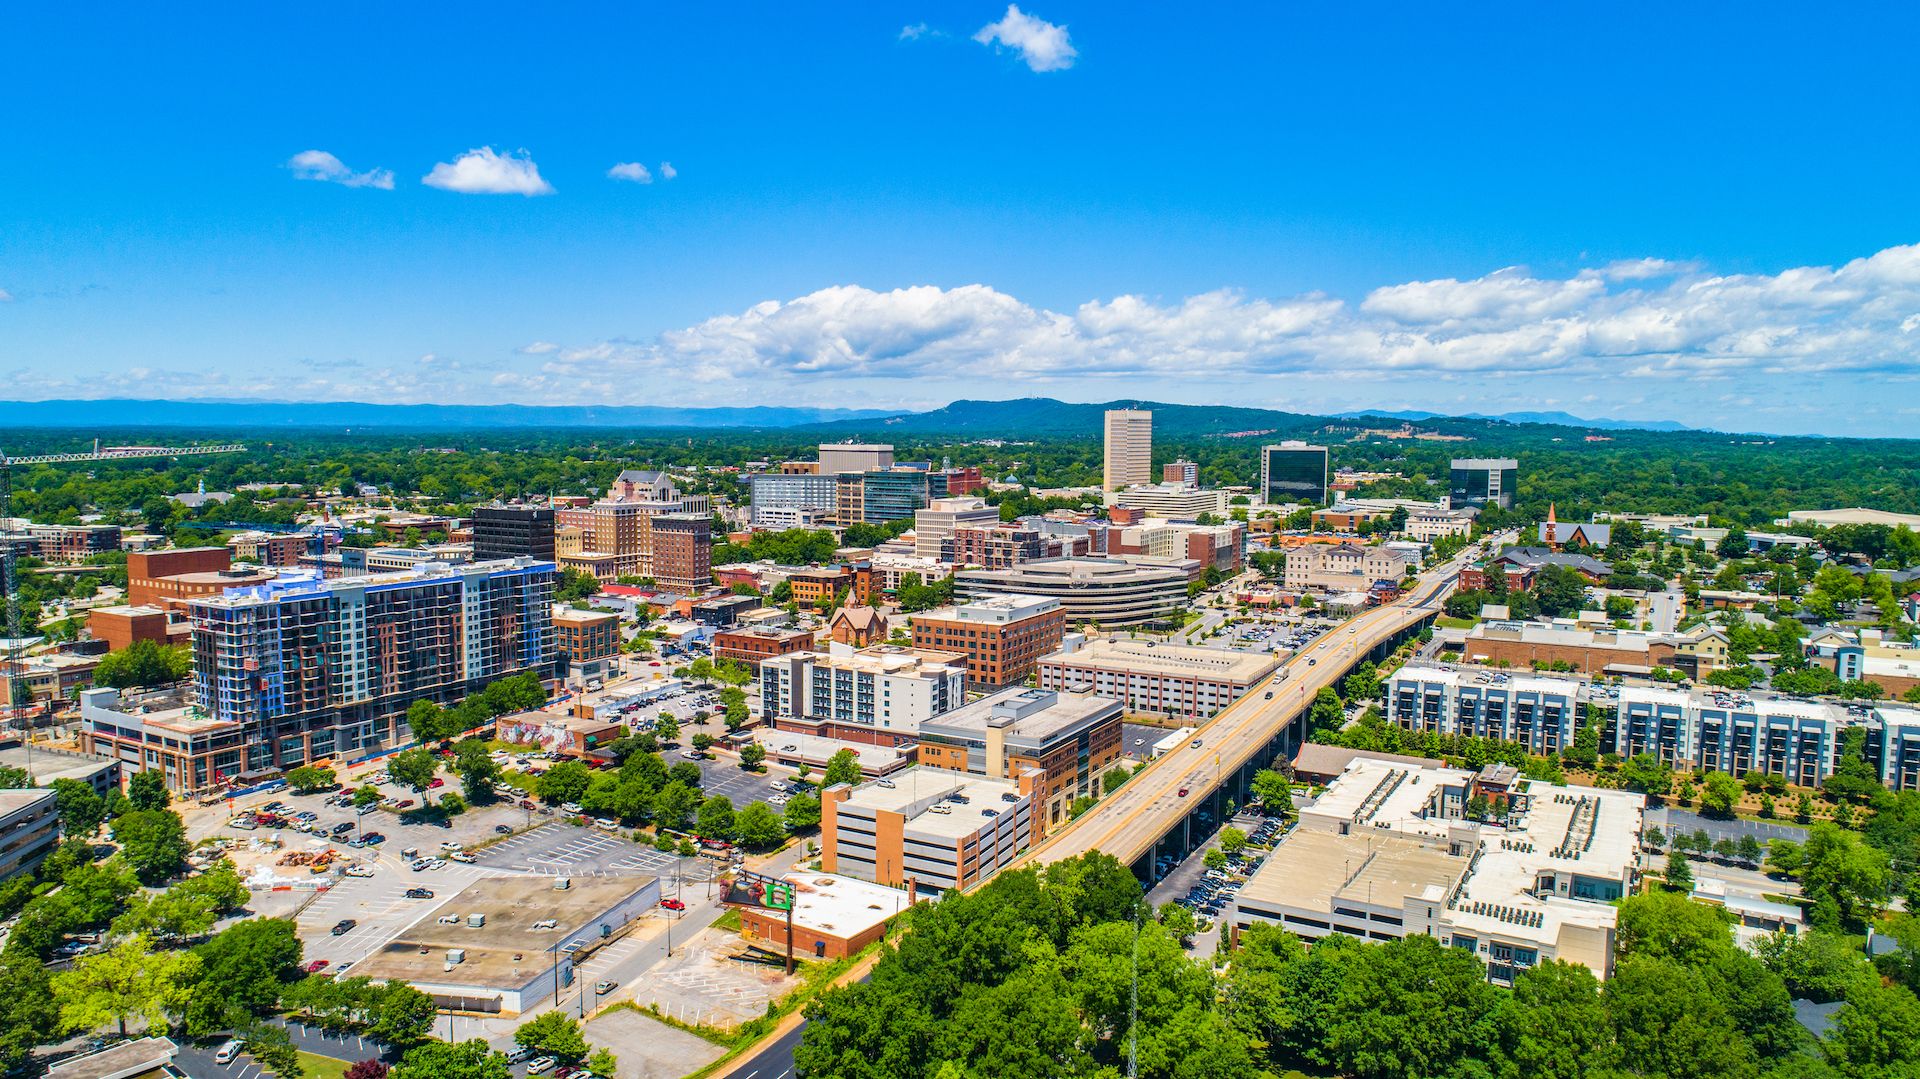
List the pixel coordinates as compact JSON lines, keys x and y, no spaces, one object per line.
{"x":566,"y":850}
{"x":1210,"y":893}
{"x":379,"y":907}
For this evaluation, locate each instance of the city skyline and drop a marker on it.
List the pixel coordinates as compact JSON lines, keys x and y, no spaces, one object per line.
{"x":1318,"y":213}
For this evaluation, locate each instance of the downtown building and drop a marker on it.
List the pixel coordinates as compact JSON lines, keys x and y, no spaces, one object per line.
{"x":307,"y":668}
{"x":510,"y":531}
{"x":1107,"y":591}
{"x":1002,"y":636}
{"x":1072,"y":739}
{"x":1483,"y":481}
{"x":1540,"y":712}
{"x":1128,"y":453}
{"x":878,"y":695}
{"x":1157,"y":678}
{"x":1293,"y":471}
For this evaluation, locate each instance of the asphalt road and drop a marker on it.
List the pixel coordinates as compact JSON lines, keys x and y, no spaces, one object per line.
{"x":1127,"y":824}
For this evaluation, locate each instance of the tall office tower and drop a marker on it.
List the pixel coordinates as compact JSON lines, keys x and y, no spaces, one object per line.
{"x":308,"y":668}
{"x":1293,"y":471}
{"x":1479,"y":481}
{"x":1129,"y":457}
{"x":513,"y":531}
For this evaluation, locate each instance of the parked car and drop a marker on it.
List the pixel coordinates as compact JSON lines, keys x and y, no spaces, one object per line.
{"x":604,"y":986}
{"x":317,"y":966}
{"x":540,"y":1065}
{"x":501,"y":829}
{"x":228,"y":1050}
{"x":344,"y":926}
{"x":673,"y":904}
{"x":419,"y":893}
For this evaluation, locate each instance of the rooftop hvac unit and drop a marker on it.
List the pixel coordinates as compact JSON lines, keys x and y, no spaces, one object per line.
{"x":561,"y":884}
{"x":455,"y":957}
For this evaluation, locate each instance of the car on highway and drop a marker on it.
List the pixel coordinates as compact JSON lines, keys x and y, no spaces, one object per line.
{"x":1183,"y":792}
{"x":344,"y":926}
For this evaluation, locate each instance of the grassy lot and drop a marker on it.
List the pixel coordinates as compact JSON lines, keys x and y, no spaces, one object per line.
{"x":319,"y":1067}
{"x":1447,"y":621}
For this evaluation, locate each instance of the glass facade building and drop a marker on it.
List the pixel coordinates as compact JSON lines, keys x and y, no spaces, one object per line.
{"x":1293,"y":472}
{"x":1481,"y":481}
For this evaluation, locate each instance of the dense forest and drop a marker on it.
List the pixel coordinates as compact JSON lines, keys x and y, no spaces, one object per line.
{"x":1745,"y":480}
{"x":1063,"y":972}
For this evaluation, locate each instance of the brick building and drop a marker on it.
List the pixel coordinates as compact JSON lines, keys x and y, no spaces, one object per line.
{"x":754,"y":644}
{"x":1002,"y":636}
{"x":583,"y":636}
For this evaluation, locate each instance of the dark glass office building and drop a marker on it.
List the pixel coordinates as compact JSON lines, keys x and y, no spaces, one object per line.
{"x":1482,"y":481}
{"x":1294,"y":472}
{"x":510,"y":531}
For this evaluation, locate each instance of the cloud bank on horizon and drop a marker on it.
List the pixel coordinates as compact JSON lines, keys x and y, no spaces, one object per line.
{"x":1645,"y":318}
{"x":1674,"y":324}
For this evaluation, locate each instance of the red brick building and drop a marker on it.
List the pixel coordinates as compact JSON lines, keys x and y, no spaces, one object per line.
{"x":750,"y":646}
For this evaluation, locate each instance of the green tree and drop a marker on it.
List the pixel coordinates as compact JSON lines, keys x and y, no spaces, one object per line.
{"x":1178,"y":922}
{"x":1647,"y":773}
{"x":79,"y":808}
{"x":1273,"y":792}
{"x":143,"y":663}
{"x":401,"y":1015}
{"x":564,"y":782}
{"x":1846,"y":879}
{"x":752,"y":756}
{"x":154,"y":843}
{"x":803,"y":812}
{"x":1559,"y":591}
{"x":471,"y":1059}
{"x":842,"y":767}
{"x":29,"y":1017}
{"x":1232,"y":840}
{"x":1679,"y":872}
{"x":129,"y":981}
{"x":715,"y":818}
{"x":427,"y":720}
{"x":243,"y":971}
{"x":273,"y":1047}
{"x":148,"y":790}
{"x":758,"y":827}
{"x":366,"y":797}
{"x":304,"y":780}
{"x":414,"y":769}
{"x":1556,"y":1027}
{"x":603,"y":1062}
{"x":478,"y":773}
{"x":674,"y":806}
{"x":1874,"y":1033}
{"x":554,"y":1034}
{"x":1721,"y":792}
{"x":667,"y":729}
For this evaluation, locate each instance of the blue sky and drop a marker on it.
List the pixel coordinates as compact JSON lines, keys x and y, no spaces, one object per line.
{"x":1625,"y":211}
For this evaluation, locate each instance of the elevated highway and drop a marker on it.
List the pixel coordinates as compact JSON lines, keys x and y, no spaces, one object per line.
{"x":1179,"y":799}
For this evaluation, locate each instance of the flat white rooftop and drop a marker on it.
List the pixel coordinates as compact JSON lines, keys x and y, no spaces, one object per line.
{"x":1127,"y":656}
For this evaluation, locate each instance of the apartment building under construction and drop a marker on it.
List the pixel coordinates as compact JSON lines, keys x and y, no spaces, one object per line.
{"x":314,"y":668}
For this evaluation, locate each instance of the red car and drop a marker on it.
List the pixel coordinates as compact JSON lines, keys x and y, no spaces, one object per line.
{"x":673,"y":904}
{"x":403,"y":803}
{"x":437,"y":782}
{"x":316,"y":966}
{"x":1183,"y":792}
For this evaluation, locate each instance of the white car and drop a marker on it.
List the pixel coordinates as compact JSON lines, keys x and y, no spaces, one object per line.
{"x":540,"y":1065}
{"x":227,"y":1051}
{"x":359,"y":871}
{"x":450,"y":845}
{"x":461,"y":856}
{"x":570,"y":807}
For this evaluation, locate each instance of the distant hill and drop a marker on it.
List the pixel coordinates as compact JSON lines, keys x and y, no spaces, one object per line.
{"x":127,"y":412}
{"x":1046,"y":417}
{"x":1555,"y":419}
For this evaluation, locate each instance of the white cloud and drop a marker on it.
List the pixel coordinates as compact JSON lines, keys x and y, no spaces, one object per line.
{"x":1043,"y":45}
{"x":915,"y":32}
{"x":5,"y":296}
{"x":323,"y":166}
{"x":632,"y":171}
{"x":1801,"y":322}
{"x":667,"y":171}
{"x":1645,"y":269}
{"x":537,"y":348}
{"x":484,"y":172}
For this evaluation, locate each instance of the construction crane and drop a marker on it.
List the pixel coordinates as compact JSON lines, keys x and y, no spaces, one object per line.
{"x":16,"y":642}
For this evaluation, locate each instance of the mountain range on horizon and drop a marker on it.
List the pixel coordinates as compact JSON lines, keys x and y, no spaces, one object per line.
{"x":1041,"y":416}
